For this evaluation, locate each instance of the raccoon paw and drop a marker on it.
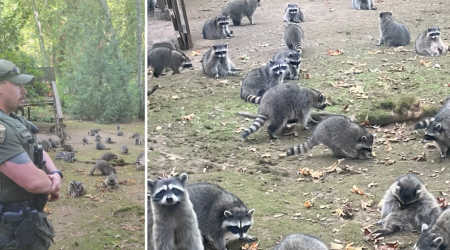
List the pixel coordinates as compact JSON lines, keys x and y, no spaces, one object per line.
{"x":443,"y":155}
{"x":217,"y":76}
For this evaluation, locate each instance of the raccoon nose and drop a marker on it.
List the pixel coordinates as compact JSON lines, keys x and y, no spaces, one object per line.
{"x":169,"y":199}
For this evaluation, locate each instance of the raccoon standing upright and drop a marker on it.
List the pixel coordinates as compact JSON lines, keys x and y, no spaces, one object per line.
{"x":217,"y":28}
{"x":220,"y":214}
{"x":363,"y":5}
{"x":293,"y":59}
{"x":300,"y":242}
{"x":162,"y":58}
{"x":216,"y":62}
{"x":406,"y":206}
{"x":344,"y":137}
{"x":283,"y":103}
{"x":438,"y":236}
{"x":260,"y":80}
{"x":237,"y":9}
{"x":429,"y":43}
{"x":293,"y":37}
{"x":174,"y":222}
{"x":438,"y":128}
{"x":392,"y":33}
{"x":293,"y":14}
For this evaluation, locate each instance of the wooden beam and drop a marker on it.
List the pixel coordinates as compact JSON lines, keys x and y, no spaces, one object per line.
{"x":190,"y":45}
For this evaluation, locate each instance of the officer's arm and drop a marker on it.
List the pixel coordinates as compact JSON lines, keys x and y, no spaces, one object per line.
{"x":24,"y":173}
{"x":49,"y":165}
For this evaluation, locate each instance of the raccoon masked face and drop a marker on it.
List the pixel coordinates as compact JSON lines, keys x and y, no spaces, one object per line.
{"x":278,"y":67}
{"x":294,"y":59}
{"x":186,"y":62}
{"x":220,"y":50}
{"x":365,"y":142}
{"x":238,"y":222}
{"x":428,"y":240}
{"x":223,"y":21}
{"x":433,"y":132}
{"x":169,"y":191}
{"x":434,"y":33}
{"x":385,"y":15}
{"x":406,"y":195}
{"x":321,"y":102}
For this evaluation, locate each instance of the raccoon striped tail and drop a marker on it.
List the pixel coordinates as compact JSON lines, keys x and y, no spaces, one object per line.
{"x":252,"y":98}
{"x":301,"y":148}
{"x":298,"y":46}
{"x":422,"y":124}
{"x":257,"y":123}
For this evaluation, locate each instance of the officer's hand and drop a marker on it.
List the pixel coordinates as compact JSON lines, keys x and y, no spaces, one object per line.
{"x":54,"y":197}
{"x":56,"y":183}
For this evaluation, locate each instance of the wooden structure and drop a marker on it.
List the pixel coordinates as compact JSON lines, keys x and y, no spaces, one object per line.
{"x":177,"y":11}
{"x":51,"y":98}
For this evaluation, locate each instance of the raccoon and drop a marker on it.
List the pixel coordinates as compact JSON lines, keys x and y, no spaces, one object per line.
{"x":108,"y":156}
{"x":363,"y":5}
{"x":124,"y":149}
{"x":52,"y":129}
{"x":104,"y":167}
{"x":217,"y":28}
{"x":140,"y":161}
{"x":293,"y":14}
{"x":66,"y":135}
{"x":216,"y":62}
{"x":438,"y":236}
{"x":52,"y":142}
{"x":137,"y":141}
{"x":220,"y":214}
{"x":283,"y":103}
{"x":174,"y":223}
{"x":100,"y":146}
{"x":98,"y":136}
{"x":94,"y":131}
{"x":86,"y":140}
{"x":164,"y":44}
{"x":135,"y":135}
{"x":120,"y":133}
{"x":429,"y":43}
{"x":111,"y":181}
{"x":293,"y":37}
{"x":109,"y":140}
{"x":406,"y":206}
{"x":76,"y":189}
{"x":67,"y":148}
{"x":237,"y":9}
{"x":392,"y":33}
{"x":260,"y":80}
{"x":342,"y":136}
{"x":438,"y":128}
{"x":46,"y":145}
{"x":293,"y":59}
{"x":66,"y":156}
{"x":161,"y":58}
{"x":300,"y":242}
{"x":118,"y":127}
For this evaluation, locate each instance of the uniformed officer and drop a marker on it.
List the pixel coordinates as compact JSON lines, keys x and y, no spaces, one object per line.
{"x":25,"y":183}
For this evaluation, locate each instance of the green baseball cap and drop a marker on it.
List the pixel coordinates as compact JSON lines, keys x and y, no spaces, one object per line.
{"x":11,"y":73}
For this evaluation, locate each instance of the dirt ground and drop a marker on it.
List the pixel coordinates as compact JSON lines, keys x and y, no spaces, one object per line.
{"x":208,"y":146}
{"x":102,"y":219}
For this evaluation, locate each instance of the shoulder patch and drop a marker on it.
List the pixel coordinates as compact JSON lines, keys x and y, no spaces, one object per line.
{"x":2,"y":134}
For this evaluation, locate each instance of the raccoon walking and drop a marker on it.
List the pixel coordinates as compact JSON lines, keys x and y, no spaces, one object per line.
{"x":216,"y":62}
{"x":111,"y":181}
{"x":174,"y":223}
{"x":104,"y":167}
{"x":392,"y":33}
{"x":293,"y":37}
{"x":438,"y":128}
{"x":406,"y":206}
{"x":293,"y":59}
{"x":76,"y":189}
{"x":52,"y":142}
{"x":237,"y":9}
{"x":438,"y":236}
{"x":363,"y":5}
{"x":46,"y":145}
{"x":217,"y":28}
{"x":283,"y":103}
{"x":293,"y":14}
{"x":300,"y":242}
{"x":108,"y":156}
{"x":429,"y":43}
{"x":162,"y":58}
{"x":260,"y":80}
{"x":220,"y":214}
{"x":342,"y":136}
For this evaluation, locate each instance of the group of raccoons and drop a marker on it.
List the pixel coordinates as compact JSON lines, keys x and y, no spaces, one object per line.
{"x":185,"y":216}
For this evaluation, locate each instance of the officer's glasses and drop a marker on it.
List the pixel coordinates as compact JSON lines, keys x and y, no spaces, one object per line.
{"x":15,"y":70}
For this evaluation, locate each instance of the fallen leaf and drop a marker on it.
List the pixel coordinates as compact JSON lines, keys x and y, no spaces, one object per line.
{"x":356,"y":190}
{"x":308,"y":204}
{"x":345,"y":110}
{"x":334,"y":166}
{"x":195,"y":53}
{"x":427,"y":64}
{"x":304,"y":171}
{"x":264,"y":45}
{"x":443,"y":202}
{"x":265,"y":155}
{"x":188,"y":117}
{"x":375,"y":52}
{"x":372,"y":184}
{"x":317,"y":174}
{"x":175,"y":97}
{"x":278,"y":215}
{"x":422,"y":157}
{"x":332,"y":52}
{"x":388,"y":246}
{"x":335,"y":246}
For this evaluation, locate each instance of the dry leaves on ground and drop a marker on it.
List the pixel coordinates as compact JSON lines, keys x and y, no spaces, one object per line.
{"x":195,"y":53}
{"x":332,"y":52}
{"x":188,"y":117}
{"x":253,"y":246}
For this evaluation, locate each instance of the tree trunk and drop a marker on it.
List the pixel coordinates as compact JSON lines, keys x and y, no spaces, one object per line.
{"x":139,"y":60}
{"x":41,"y":38}
{"x":108,"y":16}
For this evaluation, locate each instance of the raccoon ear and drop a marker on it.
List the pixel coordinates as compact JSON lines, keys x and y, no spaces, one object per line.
{"x":397,"y":188}
{"x":438,"y":127}
{"x":251,"y":212}
{"x":183,"y":178}
{"x":226,"y":45}
{"x":150,"y":183}
{"x":418,"y":191}
{"x":424,"y":227}
{"x":290,"y":55}
{"x":227,"y":214}
{"x":428,"y":29}
{"x":364,"y":138}
{"x":438,"y":241}
{"x":321,"y":98}
{"x":270,"y":61}
{"x":214,"y":46}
